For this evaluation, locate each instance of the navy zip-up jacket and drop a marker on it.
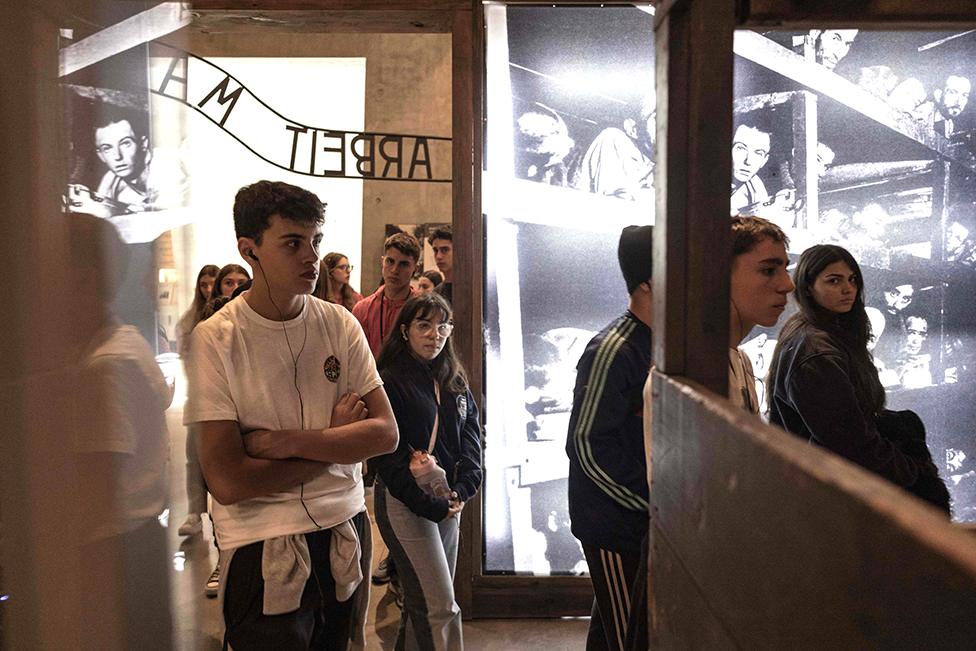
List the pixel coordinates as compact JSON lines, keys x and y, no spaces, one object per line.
{"x":410,"y":388}
{"x":607,"y":469}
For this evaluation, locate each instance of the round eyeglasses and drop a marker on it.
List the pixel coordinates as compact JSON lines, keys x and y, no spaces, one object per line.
{"x":424,"y":328}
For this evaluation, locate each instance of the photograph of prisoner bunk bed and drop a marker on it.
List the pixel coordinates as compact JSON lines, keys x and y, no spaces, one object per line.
{"x":892,"y":188}
{"x":759,"y":540}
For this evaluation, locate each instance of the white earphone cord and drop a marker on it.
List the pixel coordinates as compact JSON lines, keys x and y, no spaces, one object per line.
{"x":294,"y":359}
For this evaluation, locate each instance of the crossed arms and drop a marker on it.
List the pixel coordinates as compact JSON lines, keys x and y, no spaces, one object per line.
{"x":239,"y":467}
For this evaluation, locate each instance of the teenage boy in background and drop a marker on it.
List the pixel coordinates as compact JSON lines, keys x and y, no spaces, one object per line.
{"x":379,"y":310}
{"x":760,"y":286}
{"x":442,"y":241}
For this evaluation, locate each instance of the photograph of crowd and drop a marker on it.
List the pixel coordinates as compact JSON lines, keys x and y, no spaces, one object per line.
{"x":582,"y":133}
{"x":862,"y":139}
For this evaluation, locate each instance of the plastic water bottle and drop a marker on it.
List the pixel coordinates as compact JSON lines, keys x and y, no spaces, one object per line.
{"x":429,"y":475}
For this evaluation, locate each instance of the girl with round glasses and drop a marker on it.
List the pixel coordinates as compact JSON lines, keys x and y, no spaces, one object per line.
{"x":422,"y":487}
{"x":333,"y":285}
{"x":824,"y":386}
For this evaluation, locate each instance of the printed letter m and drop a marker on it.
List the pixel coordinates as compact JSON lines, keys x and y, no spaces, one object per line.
{"x":223,"y":98}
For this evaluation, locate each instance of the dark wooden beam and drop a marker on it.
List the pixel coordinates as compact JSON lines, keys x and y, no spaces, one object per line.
{"x":336,"y":5}
{"x":691,"y":250}
{"x":752,"y":526}
{"x":856,"y":13}
{"x":531,"y":596}
{"x":467,"y":43}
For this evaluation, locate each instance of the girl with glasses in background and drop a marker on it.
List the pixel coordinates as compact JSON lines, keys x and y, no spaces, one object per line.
{"x":333,"y":285}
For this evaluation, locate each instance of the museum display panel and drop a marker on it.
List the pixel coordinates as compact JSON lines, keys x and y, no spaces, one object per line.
{"x":866,"y":139}
{"x":870,"y":147}
{"x":569,"y":162}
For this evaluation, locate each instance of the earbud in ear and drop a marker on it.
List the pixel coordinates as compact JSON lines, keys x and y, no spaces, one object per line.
{"x":250,"y":254}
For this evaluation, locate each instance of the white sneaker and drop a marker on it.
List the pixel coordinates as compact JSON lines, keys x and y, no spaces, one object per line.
{"x":191,"y":526}
{"x":213,"y":583}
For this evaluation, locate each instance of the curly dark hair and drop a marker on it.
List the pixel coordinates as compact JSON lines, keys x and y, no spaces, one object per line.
{"x":255,"y":204}
{"x":214,"y":305}
{"x":446,"y":367}
{"x":441,"y":233}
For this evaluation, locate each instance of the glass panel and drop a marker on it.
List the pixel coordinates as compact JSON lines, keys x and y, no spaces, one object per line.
{"x":866,"y":139}
{"x":569,"y":162}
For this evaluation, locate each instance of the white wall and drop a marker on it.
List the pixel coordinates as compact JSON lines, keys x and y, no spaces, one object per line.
{"x":320,"y":92}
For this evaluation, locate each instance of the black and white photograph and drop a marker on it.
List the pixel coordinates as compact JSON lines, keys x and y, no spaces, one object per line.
{"x":866,"y":139}
{"x":581,"y":142}
{"x":116,"y":169}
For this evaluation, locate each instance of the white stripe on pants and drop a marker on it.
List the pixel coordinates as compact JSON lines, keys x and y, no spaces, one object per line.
{"x":613,"y":623}
{"x":425,"y":554}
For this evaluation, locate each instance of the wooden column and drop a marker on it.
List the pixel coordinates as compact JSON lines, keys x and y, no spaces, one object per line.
{"x":39,"y":497}
{"x":805,"y":168}
{"x":467,"y":49}
{"x":693,"y":40}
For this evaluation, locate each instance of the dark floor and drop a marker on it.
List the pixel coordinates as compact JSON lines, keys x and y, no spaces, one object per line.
{"x":198,"y":625}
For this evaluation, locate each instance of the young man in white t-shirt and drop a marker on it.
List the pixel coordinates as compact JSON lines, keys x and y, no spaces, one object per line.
{"x":287,"y":402}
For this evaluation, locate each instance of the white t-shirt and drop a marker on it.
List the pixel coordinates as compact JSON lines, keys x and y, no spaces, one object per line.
{"x":742,"y":383}
{"x":123,"y":400}
{"x":241,"y":369}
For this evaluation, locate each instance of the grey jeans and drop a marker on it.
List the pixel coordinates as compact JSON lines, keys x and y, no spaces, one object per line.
{"x":425,"y":554}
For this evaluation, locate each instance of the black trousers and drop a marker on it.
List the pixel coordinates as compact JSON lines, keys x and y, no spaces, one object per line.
{"x":618,"y":621}
{"x":321,"y":622}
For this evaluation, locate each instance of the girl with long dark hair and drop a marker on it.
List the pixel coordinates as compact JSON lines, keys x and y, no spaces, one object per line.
{"x":824,"y":387}
{"x":418,"y":506}
{"x":206,"y":278}
{"x":196,"y":487}
{"x":333,"y":285}
{"x":230,"y":277}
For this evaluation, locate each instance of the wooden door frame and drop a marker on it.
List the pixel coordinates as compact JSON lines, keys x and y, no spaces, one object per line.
{"x":479,"y":595}
{"x":685,"y":240}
